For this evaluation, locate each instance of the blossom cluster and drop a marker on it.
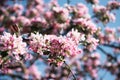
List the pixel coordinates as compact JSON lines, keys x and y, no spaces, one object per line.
{"x":78,"y":11}
{"x":113,"y":5}
{"x":110,"y":35}
{"x":103,"y":14}
{"x":13,"y":45}
{"x":57,"y":48}
{"x":85,"y":26}
{"x":91,"y":63}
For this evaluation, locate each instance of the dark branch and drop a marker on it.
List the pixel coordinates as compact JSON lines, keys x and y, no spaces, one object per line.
{"x":107,"y":54}
{"x":112,"y":45}
{"x":12,"y":76}
{"x":104,"y":52}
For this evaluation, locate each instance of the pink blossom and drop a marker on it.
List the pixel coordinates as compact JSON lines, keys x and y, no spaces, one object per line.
{"x":56,"y":46}
{"x":93,"y":73}
{"x":4,"y":10}
{"x":13,"y":18}
{"x":18,"y":8}
{"x":61,"y":45}
{"x":99,"y":8}
{"x":82,"y":9}
{"x":103,"y":14}
{"x":36,"y":43}
{"x":38,"y":19}
{"x":48,"y":15}
{"x":112,"y":17}
{"x":60,"y":13}
{"x":96,"y":62}
{"x":32,"y":12}
{"x":1,"y":18}
{"x":40,"y":2}
{"x":95,"y":55}
{"x":76,"y":36}
{"x":53,"y":3}
{"x":93,"y":43}
{"x":110,"y":38}
{"x":110,"y":34}
{"x":2,"y":29}
{"x":101,"y":38}
{"x":109,"y":30}
{"x":40,"y":8}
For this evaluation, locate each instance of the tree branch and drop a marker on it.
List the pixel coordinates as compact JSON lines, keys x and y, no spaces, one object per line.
{"x":12,"y":75}
{"x":112,"y":45}
{"x":104,"y":52}
{"x":107,"y":54}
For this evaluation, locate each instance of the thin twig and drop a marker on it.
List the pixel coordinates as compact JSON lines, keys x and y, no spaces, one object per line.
{"x":70,"y":70}
{"x":102,"y":50}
